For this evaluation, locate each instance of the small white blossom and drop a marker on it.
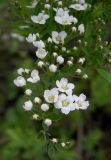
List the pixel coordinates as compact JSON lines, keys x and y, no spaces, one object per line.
{"x":40,"y":44}
{"x":28,"y":105}
{"x":41,"y":53}
{"x":65,"y":103}
{"x":63,"y":144}
{"x":58,"y":37}
{"x":53,"y":68}
{"x":44,"y":107}
{"x":55,"y":54}
{"x":41,"y":64}
{"x":37,"y":100}
{"x":54,"y":140}
{"x":60,"y":59}
{"x":48,"y":122}
{"x":78,"y":71}
{"x":27,"y":71}
{"x":85,"y":76}
{"x":81,"y":28}
{"x":51,"y":96}
{"x":62,"y":17}
{"x":28,"y":92}
{"x":63,"y":49}
{"x":78,"y":7}
{"x":20,"y":71}
{"x":40,"y":18}
{"x":64,"y":86}
{"x":47,"y":6}
{"x":20,"y":81}
{"x":49,"y":40}
{"x":81,"y":60}
{"x":74,"y":29}
{"x":31,"y":38}
{"x":75,"y":48}
{"x":80,"y":102}
{"x":35,"y":116}
{"x":60,"y":3}
{"x":34,"y":76}
{"x":69,"y":63}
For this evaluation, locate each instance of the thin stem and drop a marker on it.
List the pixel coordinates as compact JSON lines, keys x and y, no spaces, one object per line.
{"x":46,"y":139}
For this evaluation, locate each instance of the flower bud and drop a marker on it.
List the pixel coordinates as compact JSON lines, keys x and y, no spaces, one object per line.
{"x":53,"y":68}
{"x":44,"y":107}
{"x":28,"y":105}
{"x":48,"y":122}
{"x":28,"y":92}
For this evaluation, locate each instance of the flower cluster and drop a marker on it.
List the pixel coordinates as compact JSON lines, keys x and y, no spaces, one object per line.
{"x":54,"y":28}
{"x":62,"y":97}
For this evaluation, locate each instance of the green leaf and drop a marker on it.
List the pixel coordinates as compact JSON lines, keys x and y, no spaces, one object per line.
{"x":51,"y":150}
{"x":53,"y":116}
{"x":103,"y":73}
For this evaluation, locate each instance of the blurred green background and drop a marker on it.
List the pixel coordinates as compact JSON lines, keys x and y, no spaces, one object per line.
{"x":90,"y":130}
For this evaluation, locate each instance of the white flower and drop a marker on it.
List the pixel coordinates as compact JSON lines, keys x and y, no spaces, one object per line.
{"x":47,"y":6}
{"x":37,"y":100}
{"x":81,"y":28}
{"x":28,"y":105}
{"x":85,"y":76}
{"x":44,"y":107}
{"x":63,"y":17}
{"x":34,"y":76}
{"x":40,"y":18}
{"x":53,"y":68}
{"x":74,"y":29}
{"x":60,"y":12}
{"x":58,"y":37}
{"x":28,"y":92}
{"x":80,"y":102}
{"x":20,"y":81}
{"x":35,"y":116}
{"x":60,"y":59}
{"x":27,"y":71}
{"x":78,"y":7}
{"x":63,"y":144}
{"x":65,"y":103}
{"x":51,"y":96}
{"x":48,"y":122}
{"x":54,"y":140}
{"x":49,"y":40}
{"x":64,"y":86}
{"x":41,"y":53}
{"x":78,"y":71}
{"x":60,"y":3}
{"x":55,"y":54}
{"x":40,"y":44}
{"x":63,"y":49}
{"x":41,"y":64}
{"x":31,"y":38}
{"x":69,"y":63}
{"x":20,"y":71}
{"x":81,"y":60}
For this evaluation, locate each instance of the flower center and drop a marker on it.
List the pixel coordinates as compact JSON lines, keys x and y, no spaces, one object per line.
{"x":65,"y":103}
{"x":79,"y":103}
{"x":58,"y":38}
{"x":40,"y":18}
{"x":65,"y":87}
{"x":51,"y":98}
